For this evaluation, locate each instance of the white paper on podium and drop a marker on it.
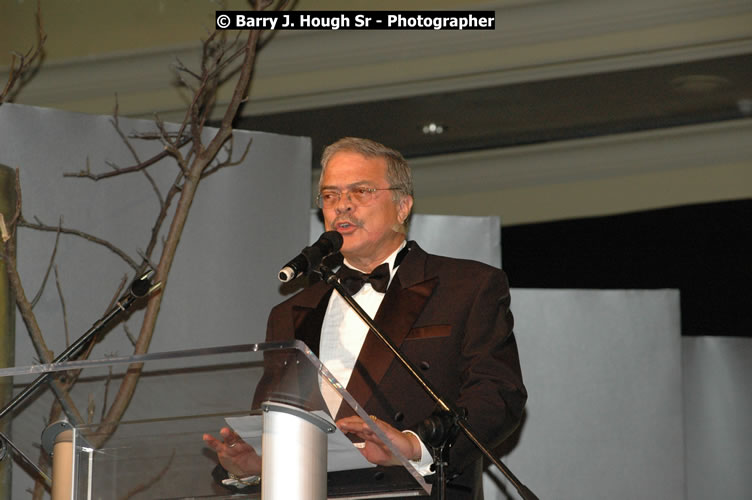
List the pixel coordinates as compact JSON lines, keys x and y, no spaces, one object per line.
{"x":342,"y":454}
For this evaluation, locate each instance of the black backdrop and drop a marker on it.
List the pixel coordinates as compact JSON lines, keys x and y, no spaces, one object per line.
{"x":703,"y":250}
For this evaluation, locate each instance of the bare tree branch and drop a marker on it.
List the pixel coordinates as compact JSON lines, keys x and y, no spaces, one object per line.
{"x":28,"y":64}
{"x":116,"y":124}
{"x":106,"y":391}
{"x":228,"y":162}
{"x":161,"y":217}
{"x":62,"y":305}
{"x":147,"y":259}
{"x":130,"y":337}
{"x":182,"y":68}
{"x":126,"y":170}
{"x":27,"y":314}
{"x":49,"y":267}
{"x":195,"y":160}
{"x":199,"y":164}
{"x":99,"y":241}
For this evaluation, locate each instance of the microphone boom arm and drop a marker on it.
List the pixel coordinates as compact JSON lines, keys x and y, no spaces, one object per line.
{"x":140,"y":287}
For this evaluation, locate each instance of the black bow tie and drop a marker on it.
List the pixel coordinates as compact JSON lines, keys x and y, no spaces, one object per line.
{"x":354,"y":280}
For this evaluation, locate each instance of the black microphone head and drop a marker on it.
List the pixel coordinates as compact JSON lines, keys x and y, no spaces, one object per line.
{"x":140,"y":288}
{"x":328,"y":243}
{"x":334,"y":239}
{"x":310,"y":257}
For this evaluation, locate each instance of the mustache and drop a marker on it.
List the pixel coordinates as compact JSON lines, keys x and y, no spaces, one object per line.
{"x":349,"y":220}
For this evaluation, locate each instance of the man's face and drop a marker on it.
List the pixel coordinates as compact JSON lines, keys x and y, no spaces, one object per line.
{"x":371,"y":232}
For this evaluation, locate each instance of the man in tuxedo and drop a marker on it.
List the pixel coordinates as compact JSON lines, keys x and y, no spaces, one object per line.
{"x":449,"y":317}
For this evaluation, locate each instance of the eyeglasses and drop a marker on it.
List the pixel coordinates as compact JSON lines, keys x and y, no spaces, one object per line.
{"x":361,"y":195}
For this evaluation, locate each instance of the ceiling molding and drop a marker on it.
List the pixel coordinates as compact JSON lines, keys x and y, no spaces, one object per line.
{"x":519,"y":25}
{"x":618,"y":155}
{"x":314,"y":98}
{"x":532,"y":41}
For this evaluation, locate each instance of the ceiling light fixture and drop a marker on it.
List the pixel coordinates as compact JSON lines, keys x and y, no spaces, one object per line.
{"x":693,"y":84}
{"x":433,"y":129}
{"x":745,"y":106}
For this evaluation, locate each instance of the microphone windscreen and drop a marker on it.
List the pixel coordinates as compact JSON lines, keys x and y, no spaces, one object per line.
{"x":334,"y":239}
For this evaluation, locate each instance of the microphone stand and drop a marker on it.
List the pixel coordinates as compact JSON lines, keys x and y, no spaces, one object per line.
{"x":140,"y":287}
{"x":446,"y":410}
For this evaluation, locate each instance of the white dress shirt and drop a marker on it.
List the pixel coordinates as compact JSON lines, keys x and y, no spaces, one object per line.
{"x":343,"y":333}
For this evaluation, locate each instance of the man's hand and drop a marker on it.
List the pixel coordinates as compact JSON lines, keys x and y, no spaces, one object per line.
{"x":235,"y":455}
{"x":375,"y":451}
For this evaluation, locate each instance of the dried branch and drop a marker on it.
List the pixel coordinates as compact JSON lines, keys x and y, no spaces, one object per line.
{"x":129,"y":335}
{"x":147,"y":259}
{"x":200,"y":162}
{"x":91,"y":409}
{"x":219,"y":72}
{"x":161,"y":217}
{"x":197,"y":162}
{"x":62,"y":305}
{"x":180,"y":67}
{"x":9,"y":252}
{"x":49,"y":267}
{"x":27,"y":314}
{"x":116,"y":124}
{"x":107,"y":382}
{"x":199,"y":93}
{"x":229,"y":162}
{"x":125,"y":170}
{"x":67,"y":381}
{"x":39,"y":226}
{"x":281,"y":5}
{"x":28,"y":64}
{"x":71,"y":377}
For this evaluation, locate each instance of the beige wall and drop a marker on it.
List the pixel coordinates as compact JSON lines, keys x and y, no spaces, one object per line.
{"x":599,"y":197}
{"x":595,"y":176}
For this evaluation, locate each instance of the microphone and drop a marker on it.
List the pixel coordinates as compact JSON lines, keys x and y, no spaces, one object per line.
{"x":310,"y":257}
{"x":142,"y":285}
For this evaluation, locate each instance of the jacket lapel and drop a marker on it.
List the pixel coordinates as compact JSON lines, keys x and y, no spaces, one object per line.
{"x":407,"y":296}
{"x":308,"y":316}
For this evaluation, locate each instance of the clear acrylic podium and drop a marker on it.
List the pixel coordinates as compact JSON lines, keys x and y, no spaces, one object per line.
{"x":157,"y":451}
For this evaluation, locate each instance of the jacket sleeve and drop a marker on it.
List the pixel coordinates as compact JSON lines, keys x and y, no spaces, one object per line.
{"x":492,"y":390}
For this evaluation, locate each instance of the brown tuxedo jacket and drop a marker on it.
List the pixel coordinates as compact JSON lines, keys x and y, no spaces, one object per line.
{"x":451,"y":319}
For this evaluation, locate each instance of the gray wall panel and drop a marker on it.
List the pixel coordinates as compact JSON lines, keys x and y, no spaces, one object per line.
{"x":604,"y":418}
{"x":718,"y":416}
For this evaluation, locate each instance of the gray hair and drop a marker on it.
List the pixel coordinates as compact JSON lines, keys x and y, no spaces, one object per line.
{"x":398,"y":172}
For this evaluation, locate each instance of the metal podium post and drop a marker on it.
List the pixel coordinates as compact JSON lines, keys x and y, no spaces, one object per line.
{"x":294,"y":444}
{"x":57,"y":440}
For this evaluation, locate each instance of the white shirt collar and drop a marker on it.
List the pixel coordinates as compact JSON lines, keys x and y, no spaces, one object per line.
{"x":390,"y":260}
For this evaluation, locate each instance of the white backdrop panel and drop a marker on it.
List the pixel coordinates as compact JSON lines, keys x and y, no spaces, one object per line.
{"x":604,"y":418}
{"x":718,"y":416}
{"x":244,"y":220}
